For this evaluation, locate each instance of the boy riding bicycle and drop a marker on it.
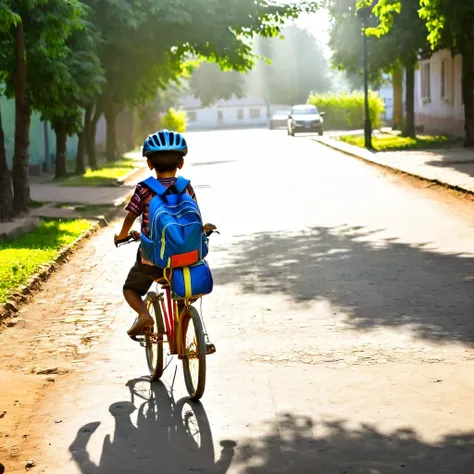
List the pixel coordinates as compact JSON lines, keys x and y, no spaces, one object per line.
{"x":165,"y":152}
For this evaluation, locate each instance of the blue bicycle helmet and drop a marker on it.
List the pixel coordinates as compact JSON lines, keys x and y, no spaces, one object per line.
{"x":164,"y":140}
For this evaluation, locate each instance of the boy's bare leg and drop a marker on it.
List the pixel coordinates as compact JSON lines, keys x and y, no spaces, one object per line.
{"x":136,"y":303}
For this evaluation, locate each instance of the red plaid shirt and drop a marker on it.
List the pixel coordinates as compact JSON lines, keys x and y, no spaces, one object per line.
{"x":139,"y":206}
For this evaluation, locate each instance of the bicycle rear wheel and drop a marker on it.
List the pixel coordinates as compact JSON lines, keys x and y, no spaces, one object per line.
{"x":194,"y":353}
{"x":154,"y":346}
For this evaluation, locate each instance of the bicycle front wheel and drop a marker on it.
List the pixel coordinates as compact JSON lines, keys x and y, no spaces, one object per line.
{"x":194,"y":353}
{"x":154,"y":346}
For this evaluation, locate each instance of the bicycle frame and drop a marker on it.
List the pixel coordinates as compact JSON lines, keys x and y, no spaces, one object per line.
{"x":172,"y":320}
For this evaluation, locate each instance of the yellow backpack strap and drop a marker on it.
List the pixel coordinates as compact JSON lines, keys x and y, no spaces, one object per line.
{"x":187,"y":283}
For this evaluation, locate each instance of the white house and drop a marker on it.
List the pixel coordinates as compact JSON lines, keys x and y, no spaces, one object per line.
{"x":438,"y":96}
{"x":232,"y":113}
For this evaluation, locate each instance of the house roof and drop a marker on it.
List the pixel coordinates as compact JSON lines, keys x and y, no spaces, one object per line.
{"x":190,"y":102}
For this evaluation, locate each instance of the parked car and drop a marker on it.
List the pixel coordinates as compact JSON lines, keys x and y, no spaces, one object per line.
{"x":279,"y":119}
{"x":305,"y":119}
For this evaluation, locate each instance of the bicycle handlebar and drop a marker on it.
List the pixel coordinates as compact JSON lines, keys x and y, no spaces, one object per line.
{"x":131,"y":237}
{"x":208,"y":229}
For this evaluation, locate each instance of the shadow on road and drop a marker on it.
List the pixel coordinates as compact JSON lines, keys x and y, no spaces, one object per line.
{"x":168,"y":436}
{"x":458,"y":159}
{"x":376,"y":283}
{"x":291,"y":446}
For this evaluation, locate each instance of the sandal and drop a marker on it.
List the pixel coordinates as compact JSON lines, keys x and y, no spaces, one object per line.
{"x":140,"y":326}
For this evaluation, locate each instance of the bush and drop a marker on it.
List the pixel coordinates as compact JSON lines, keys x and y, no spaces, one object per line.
{"x":175,"y":120}
{"x":346,"y":111}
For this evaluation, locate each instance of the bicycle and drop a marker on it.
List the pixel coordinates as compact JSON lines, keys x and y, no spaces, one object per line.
{"x":181,"y":328}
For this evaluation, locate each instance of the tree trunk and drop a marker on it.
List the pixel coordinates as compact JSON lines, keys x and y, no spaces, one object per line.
{"x":6,"y":194}
{"x":61,"y":149}
{"x":397,"y":81}
{"x":111,"y":141}
{"x":21,"y":157}
{"x":81,"y":153}
{"x":90,"y":126}
{"x":468,"y":93}
{"x":409,"y":129}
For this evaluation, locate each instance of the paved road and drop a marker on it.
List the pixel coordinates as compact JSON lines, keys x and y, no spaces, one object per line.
{"x":342,"y":315}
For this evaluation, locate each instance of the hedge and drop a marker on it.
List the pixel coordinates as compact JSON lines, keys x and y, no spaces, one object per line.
{"x":175,"y":120}
{"x":346,"y":111}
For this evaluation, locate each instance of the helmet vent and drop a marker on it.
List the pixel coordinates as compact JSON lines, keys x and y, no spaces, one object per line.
{"x":154,"y":141}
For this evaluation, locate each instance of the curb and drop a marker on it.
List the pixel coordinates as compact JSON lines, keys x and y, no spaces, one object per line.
{"x":30,"y":224}
{"x":34,"y":284}
{"x":129,"y":176}
{"x":330,"y":143}
{"x":104,"y":219}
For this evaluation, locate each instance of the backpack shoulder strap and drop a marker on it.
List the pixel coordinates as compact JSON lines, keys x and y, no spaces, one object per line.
{"x":154,"y":185}
{"x":181,"y":184}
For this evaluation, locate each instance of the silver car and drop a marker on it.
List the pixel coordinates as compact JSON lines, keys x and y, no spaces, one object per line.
{"x":279,"y":119}
{"x":305,"y":119}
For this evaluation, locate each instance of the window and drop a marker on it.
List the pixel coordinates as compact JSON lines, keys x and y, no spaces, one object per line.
{"x":254,"y":113}
{"x":240,"y":114}
{"x":220,"y":116}
{"x":445,"y":79}
{"x":192,"y":116}
{"x":426,"y":82}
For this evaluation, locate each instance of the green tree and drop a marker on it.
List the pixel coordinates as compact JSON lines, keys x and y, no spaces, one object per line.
{"x":38,"y":32}
{"x":209,"y":83}
{"x":345,"y":41}
{"x":403,"y":43}
{"x":161,"y":35}
{"x":76,"y":77}
{"x":8,"y":19}
{"x":450,"y":24}
{"x":296,"y":68}
{"x":390,"y":50}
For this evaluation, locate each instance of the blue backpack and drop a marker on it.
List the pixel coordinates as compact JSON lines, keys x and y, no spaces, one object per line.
{"x":175,"y":231}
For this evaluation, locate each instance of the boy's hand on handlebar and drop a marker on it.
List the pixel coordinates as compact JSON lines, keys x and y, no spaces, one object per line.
{"x":118,"y":239}
{"x":209,"y":229}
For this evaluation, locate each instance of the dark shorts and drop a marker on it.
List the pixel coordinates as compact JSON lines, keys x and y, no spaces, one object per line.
{"x":141,"y":277}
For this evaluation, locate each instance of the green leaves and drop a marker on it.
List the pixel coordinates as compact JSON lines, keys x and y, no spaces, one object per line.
{"x":396,"y":34}
{"x":8,"y":17}
{"x":144,"y":46}
{"x":450,"y":23}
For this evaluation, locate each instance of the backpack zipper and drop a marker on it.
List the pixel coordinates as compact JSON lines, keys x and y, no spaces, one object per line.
{"x":178,"y":213}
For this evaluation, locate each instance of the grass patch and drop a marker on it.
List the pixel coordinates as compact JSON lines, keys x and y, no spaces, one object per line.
{"x":107,"y":175}
{"x":397,"y":143}
{"x":21,"y":258}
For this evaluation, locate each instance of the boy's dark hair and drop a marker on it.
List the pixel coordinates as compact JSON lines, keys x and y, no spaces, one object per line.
{"x":164,"y":161}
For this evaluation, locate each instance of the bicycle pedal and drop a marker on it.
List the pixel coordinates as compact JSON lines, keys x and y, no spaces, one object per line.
{"x":210,"y":349}
{"x":140,"y":339}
